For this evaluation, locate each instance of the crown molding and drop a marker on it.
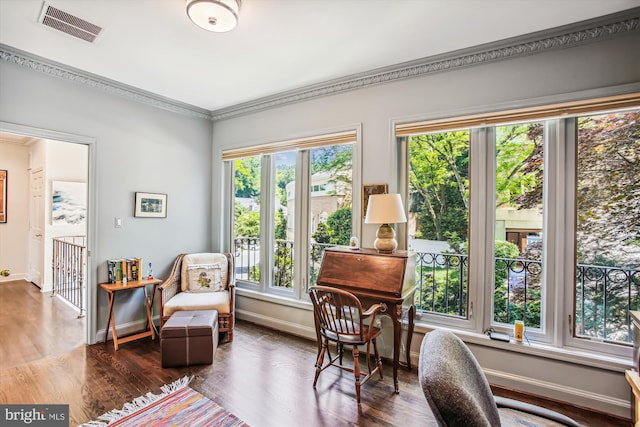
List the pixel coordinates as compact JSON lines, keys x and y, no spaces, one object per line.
{"x":64,"y":72}
{"x":567,"y":36}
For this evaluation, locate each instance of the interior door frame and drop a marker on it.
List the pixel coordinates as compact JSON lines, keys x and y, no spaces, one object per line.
{"x":91,"y":243}
{"x":36,"y":276}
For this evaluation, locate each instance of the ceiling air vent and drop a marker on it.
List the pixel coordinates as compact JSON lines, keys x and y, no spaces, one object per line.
{"x":69,"y":24}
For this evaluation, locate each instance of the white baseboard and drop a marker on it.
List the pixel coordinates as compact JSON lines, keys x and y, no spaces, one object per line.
{"x":278,"y":324}
{"x":600,"y":402}
{"x":14,"y":276}
{"x":125,"y":329}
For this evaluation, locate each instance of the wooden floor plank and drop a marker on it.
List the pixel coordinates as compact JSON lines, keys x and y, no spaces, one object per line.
{"x":264,"y":377}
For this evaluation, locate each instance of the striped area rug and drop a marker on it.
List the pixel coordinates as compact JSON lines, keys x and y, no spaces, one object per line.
{"x":179,"y":405}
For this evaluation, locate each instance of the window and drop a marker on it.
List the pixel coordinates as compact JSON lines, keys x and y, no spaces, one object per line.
{"x":500,"y":208}
{"x":438,"y":218}
{"x":247,"y":218}
{"x":291,"y":200}
{"x":518,"y":253}
{"x":608,"y":225}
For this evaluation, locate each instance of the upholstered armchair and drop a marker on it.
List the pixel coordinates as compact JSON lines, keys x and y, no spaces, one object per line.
{"x":201,"y":281}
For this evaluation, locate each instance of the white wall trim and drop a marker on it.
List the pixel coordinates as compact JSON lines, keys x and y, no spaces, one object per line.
{"x":14,"y":276}
{"x":43,"y":65}
{"x":92,"y":223}
{"x":560,"y":392}
{"x":543,"y":41}
{"x":563,"y":37}
{"x":277,"y":324}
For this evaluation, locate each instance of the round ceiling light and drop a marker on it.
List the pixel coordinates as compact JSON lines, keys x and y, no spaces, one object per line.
{"x":214,"y":15}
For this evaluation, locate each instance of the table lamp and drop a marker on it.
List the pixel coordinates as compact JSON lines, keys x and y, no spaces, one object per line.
{"x":385,"y":209}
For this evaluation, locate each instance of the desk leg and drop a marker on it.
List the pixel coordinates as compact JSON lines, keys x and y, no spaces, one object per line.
{"x":149,"y":303}
{"x":410,"y":326}
{"x":396,"y":317}
{"x":110,"y":296}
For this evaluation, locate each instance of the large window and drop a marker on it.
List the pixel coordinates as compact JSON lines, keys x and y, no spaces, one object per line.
{"x":439,"y":212}
{"x":536,"y":221}
{"x":291,"y":200}
{"x":518,"y":245}
{"x":247,"y":218}
{"x":608,"y":225}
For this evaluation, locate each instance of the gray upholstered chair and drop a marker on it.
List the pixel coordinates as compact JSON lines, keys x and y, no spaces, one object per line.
{"x":459,"y":394}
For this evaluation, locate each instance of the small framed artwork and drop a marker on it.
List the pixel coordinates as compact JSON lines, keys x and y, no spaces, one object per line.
{"x":368,"y":190}
{"x":3,"y":196}
{"x":151,"y":205}
{"x":68,"y":203}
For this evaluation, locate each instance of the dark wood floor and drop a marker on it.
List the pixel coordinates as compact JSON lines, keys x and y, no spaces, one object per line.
{"x":264,"y":376}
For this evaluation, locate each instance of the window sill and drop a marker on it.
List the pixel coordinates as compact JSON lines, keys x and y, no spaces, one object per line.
{"x":592,"y":359}
{"x":274,"y":299}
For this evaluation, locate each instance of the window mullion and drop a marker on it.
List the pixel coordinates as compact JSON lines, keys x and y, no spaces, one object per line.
{"x":301,"y":226}
{"x":555,"y":237}
{"x":226,"y":236}
{"x":482,"y":189}
{"x":267,"y":180}
{"x":566,"y":244}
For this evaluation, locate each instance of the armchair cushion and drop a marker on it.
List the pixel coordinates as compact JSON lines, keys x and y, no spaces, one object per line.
{"x":204,"y":272}
{"x":204,"y":278}
{"x":188,"y":301}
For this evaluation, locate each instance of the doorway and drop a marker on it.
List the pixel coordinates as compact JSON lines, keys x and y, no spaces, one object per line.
{"x":38,"y":197}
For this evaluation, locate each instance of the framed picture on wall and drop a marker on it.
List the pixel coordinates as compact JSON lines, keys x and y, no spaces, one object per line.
{"x":68,"y":203}
{"x":368,"y":190}
{"x":150,"y":205}
{"x":3,"y":196}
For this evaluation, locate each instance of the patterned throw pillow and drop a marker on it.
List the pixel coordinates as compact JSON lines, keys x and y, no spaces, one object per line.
{"x":204,"y":278}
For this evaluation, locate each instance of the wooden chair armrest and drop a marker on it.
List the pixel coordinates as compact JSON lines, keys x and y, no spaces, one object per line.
{"x":371,"y":312}
{"x":374,"y":309}
{"x":171,"y":286}
{"x":168,"y":290}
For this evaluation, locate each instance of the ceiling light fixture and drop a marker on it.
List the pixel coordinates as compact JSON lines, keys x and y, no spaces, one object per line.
{"x":214,"y":15}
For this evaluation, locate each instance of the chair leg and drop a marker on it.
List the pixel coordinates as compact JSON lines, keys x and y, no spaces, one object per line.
{"x":319,"y":362}
{"x":369,"y":357}
{"x":356,"y":371}
{"x":377,"y":357}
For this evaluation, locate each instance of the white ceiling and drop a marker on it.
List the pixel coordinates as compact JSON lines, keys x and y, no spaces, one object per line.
{"x":279,"y":45}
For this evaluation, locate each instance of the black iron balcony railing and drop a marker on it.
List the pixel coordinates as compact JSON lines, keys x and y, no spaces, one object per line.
{"x":604,"y":298}
{"x":441,"y":281}
{"x":604,"y":295}
{"x":247,"y":256}
{"x":247,"y":253}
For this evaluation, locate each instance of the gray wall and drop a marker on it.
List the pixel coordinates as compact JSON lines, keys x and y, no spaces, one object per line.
{"x":592,"y":70}
{"x":134,"y":147}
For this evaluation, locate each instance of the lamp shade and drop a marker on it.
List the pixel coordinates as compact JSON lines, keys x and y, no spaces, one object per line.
{"x":385,"y":209}
{"x":214,"y":15}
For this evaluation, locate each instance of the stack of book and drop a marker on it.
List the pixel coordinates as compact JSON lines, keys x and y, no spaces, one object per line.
{"x":129,"y":268}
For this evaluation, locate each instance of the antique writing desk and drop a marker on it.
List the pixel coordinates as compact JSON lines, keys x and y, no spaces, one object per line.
{"x":111,"y":289}
{"x":375,"y":277}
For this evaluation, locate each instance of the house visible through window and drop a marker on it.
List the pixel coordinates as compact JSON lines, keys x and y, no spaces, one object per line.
{"x":291,"y":200}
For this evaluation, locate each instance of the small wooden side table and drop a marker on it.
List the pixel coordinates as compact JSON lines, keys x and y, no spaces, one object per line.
{"x":111,"y":289}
